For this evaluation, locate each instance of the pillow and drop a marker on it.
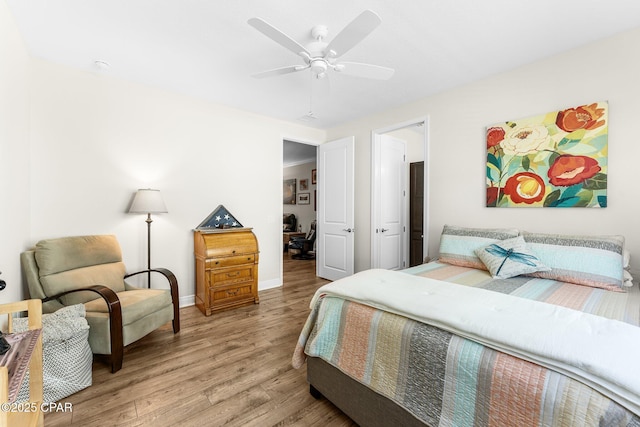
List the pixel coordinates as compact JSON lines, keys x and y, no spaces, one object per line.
{"x":628,"y":279}
{"x":595,"y":261}
{"x":509,"y":258}
{"x":458,"y":244}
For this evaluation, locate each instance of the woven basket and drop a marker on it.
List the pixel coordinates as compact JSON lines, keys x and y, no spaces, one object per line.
{"x":66,"y":355}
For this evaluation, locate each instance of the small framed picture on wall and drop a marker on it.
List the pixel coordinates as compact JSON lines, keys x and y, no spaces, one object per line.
{"x":304,"y":198}
{"x":313,"y":176}
{"x":304,"y":184}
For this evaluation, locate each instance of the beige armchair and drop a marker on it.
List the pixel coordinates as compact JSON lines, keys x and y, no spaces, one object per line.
{"x":89,"y":270}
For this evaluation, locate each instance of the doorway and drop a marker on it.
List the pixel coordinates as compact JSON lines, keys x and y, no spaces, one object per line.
{"x":391,"y":194}
{"x":299,"y":164}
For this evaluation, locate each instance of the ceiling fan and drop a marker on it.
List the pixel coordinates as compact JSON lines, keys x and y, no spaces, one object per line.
{"x":320,"y":56}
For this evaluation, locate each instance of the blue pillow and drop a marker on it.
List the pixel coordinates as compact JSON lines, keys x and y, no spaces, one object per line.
{"x":458,"y":244}
{"x":596,"y":261}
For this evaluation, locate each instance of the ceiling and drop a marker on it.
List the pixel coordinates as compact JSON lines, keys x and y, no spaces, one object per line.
{"x":294,"y":153}
{"x":206,"y":49}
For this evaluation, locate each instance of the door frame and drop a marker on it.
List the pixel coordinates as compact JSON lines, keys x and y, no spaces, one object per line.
{"x":374,"y":190}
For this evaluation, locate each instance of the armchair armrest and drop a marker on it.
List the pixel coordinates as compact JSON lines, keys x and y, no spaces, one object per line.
{"x":173,"y":284}
{"x":115,"y":320}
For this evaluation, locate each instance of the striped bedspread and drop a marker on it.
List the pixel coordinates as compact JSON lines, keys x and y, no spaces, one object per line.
{"x":447,"y":380}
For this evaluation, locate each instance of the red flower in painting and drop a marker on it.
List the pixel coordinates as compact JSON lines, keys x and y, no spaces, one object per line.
{"x":494,"y":136}
{"x":525,"y":187}
{"x":492,"y":195}
{"x":568,"y":170}
{"x":583,"y":117}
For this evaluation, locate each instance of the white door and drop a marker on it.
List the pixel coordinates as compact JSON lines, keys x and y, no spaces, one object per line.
{"x":389,"y":202}
{"x":335,"y":229}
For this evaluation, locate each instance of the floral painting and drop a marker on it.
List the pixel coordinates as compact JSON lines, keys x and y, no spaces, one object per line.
{"x":556,"y":160}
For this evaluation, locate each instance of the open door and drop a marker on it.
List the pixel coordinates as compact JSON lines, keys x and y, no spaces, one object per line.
{"x":389,"y":198}
{"x":335,"y":229}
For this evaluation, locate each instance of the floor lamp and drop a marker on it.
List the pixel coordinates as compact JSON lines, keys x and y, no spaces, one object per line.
{"x":148,"y":201}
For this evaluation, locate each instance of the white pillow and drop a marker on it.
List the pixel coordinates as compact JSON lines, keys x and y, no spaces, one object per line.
{"x":628,"y":279}
{"x":509,"y":258}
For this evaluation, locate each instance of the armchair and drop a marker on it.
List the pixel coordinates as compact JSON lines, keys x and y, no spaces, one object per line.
{"x":89,"y":270}
{"x":304,"y":244}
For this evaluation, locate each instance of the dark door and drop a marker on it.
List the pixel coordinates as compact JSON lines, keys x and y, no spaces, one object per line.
{"x":416,"y":215}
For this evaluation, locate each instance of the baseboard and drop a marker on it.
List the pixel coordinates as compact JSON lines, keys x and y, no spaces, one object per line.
{"x":187,"y":301}
{"x":269,"y":284}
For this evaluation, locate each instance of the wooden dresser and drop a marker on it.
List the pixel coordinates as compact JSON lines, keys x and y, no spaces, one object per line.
{"x":226,"y":268}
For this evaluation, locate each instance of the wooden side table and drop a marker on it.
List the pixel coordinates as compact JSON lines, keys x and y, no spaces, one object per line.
{"x":23,"y":413}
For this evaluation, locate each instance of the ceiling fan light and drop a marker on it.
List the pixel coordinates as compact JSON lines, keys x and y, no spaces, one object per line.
{"x":318,"y":67}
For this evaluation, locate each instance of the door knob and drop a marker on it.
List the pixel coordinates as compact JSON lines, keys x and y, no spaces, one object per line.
{"x":348,"y":230}
{"x":382,"y":230}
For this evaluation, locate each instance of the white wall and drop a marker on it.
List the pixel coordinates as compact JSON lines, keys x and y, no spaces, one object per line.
{"x":14,"y":154}
{"x":304,"y":213}
{"x":606,"y":70}
{"x":96,"y":139}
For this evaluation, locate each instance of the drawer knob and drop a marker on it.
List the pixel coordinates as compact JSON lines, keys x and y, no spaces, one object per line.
{"x":234,"y":251}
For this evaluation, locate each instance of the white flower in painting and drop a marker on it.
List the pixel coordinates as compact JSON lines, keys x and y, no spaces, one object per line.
{"x":523,"y":140}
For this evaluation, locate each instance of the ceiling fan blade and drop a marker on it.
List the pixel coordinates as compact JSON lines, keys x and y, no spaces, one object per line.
{"x":353,"y":33}
{"x":279,"y":71}
{"x":277,"y":36}
{"x":367,"y":71}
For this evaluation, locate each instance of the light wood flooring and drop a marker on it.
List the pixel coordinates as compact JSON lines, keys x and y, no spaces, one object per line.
{"x":233,"y":368}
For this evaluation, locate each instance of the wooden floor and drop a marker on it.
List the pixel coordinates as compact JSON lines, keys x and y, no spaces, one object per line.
{"x":233,"y":368}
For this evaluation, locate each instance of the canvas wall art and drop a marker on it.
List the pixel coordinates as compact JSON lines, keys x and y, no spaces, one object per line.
{"x":289,"y":191}
{"x":558,"y":159}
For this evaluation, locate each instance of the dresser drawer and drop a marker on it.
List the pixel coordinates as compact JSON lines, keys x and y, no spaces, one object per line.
{"x":229,"y":244}
{"x":231,"y":275}
{"x":230,"y":261}
{"x":230,"y":294}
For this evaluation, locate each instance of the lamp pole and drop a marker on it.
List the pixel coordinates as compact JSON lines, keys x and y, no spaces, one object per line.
{"x":148,"y":221}
{"x":148,"y":201}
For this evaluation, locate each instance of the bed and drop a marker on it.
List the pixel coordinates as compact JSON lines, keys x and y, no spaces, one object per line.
{"x":506,"y":328}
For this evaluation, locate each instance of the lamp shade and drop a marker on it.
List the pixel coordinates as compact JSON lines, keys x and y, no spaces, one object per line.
{"x":148,"y":201}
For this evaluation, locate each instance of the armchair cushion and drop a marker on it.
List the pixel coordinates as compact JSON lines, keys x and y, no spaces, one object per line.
{"x":57,"y":255}
{"x":78,"y":262}
{"x":135,"y":304}
{"x":109,"y":275}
